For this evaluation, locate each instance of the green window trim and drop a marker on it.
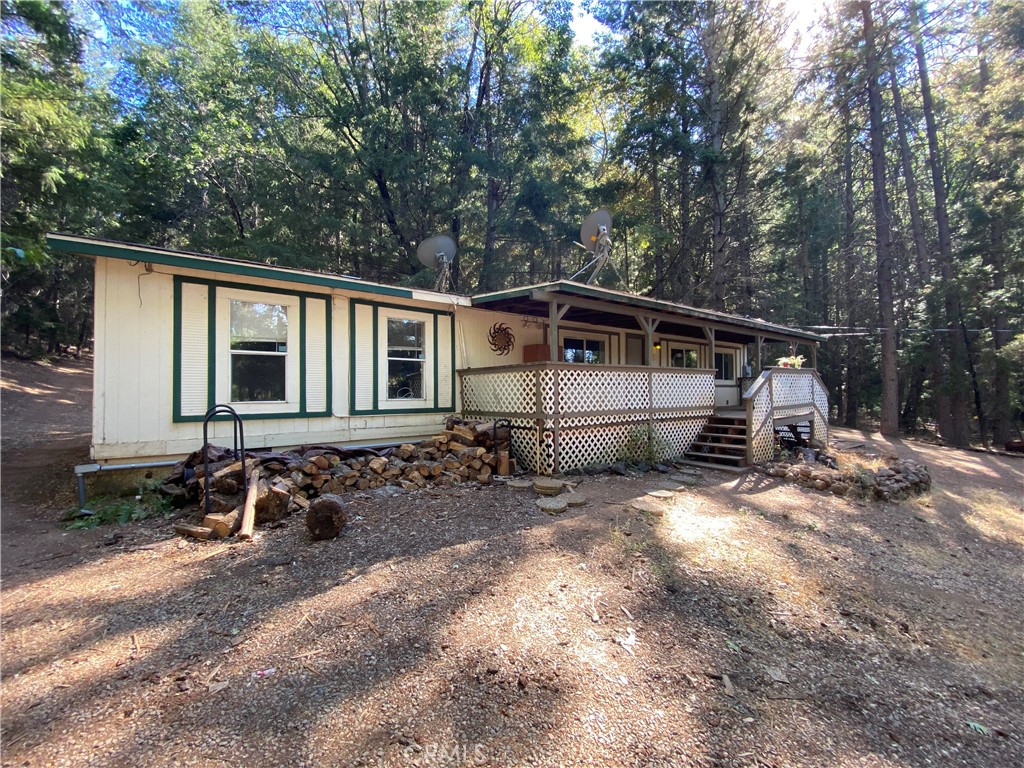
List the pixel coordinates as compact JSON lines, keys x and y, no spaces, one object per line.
{"x":375,"y":306}
{"x":211,"y":341}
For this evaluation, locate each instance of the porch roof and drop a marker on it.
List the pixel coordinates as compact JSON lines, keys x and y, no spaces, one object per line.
{"x":603,"y":306}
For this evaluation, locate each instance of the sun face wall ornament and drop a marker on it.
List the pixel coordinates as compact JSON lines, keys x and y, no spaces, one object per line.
{"x":501,"y":338}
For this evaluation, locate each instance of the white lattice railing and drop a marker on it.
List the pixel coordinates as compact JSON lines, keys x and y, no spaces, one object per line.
{"x":567,"y":416}
{"x":786,"y":396}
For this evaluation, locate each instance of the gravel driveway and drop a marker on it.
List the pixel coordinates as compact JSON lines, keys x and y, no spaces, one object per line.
{"x":752,"y":623}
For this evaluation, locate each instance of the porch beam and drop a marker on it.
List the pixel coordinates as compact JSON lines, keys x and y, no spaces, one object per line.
{"x":546,"y":296}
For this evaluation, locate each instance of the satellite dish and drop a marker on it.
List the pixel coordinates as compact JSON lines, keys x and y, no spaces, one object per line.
{"x":438,"y":252}
{"x":591,"y":228}
{"x":596,"y":237}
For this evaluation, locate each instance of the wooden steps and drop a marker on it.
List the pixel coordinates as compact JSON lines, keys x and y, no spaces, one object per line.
{"x":722,"y":444}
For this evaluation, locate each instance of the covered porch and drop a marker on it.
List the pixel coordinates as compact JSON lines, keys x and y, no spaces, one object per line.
{"x":624,"y":377}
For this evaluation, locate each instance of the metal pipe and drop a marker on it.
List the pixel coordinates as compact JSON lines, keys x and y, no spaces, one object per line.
{"x":82,"y":470}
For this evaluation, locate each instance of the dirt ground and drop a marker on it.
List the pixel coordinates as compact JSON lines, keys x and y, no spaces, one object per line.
{"x":753,"y":624}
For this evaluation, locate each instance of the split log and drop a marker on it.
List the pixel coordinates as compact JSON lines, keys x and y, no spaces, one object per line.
{"x":378,"y":464}
{"x":218,"y":506}
{"x":223,"y":525}
{"x":326,"y":517}
{"x":195,"y":531}
{"x":249,"y":511}
{"x":271,"y":503}
{"x":504,"y":467}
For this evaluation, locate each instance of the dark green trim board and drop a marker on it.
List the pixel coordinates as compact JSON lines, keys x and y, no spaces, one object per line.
{"x":376,"y":359}
{"x":376,"y":410}
{"x":302,"y":354}
{"x":211,"y":349}
{"x":211,"y":346}
{"x":176,"y":352}
{"x":207,"y":263}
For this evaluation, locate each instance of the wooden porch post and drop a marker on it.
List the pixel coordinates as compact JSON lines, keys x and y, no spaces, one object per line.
{"x":649,"y":325}
{"x":757,"y":355}
{"x":710,"y":333}
{"x":814,"y":355}
{"x":554,"y":315}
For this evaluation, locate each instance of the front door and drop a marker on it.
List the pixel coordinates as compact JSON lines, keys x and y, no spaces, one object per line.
{"x":727,"y":385}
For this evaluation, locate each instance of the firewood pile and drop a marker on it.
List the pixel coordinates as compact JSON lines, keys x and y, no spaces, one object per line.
{"x":282,"y":483}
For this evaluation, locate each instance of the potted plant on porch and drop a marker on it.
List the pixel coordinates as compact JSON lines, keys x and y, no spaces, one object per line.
{"x":790,"y":361}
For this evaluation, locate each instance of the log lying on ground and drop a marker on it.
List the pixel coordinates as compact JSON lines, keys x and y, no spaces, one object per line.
{"x":326,"y":517}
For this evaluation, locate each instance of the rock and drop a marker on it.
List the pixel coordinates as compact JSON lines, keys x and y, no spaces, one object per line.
{"x":821,"y":484}
{"x":326,"y":517}
{"x":618,"y":468}
{"x":661,"y":468}
{"x":660,"y":493}
{"x":547,"y":486}
{"x":647,"y":506}
{"x":553,"y":505}
{"x":840,"y":489}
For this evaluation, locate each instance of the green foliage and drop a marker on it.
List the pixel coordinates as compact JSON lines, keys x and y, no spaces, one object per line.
{"x":642,"y":443}
{"x":143,"y":503}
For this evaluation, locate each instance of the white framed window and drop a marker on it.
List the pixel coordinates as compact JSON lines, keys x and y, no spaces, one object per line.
{"x":584,"y":348}
{"x":725,"y":365}
{"x":683,"y":356}
{"x":406,"y":358}
{"x":258,"y":344}
{"x":257,"y":349}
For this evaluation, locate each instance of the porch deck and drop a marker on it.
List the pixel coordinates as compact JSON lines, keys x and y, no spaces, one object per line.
{"x":567,"y":416}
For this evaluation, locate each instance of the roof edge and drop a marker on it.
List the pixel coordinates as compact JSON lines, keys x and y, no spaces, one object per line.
{"x":112,"y":249}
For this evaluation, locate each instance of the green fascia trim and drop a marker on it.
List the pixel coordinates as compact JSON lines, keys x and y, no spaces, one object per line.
{"x":218,"y":264}
{"x":211,"y":386}
{"x":645,"y":303}
{"x":375,"y":306}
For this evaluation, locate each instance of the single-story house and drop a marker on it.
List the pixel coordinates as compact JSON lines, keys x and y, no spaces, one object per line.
{"x":583,"y":374}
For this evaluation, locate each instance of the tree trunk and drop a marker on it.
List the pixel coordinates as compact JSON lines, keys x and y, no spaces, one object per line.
{"x":923,"y":263}
{"x":994,"y":259}
{"x":851,"y":400}
{"x":883,"y":257}
{"x":956,"y":351}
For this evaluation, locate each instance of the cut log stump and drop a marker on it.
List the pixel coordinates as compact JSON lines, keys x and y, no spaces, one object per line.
{"x":326,"y":517}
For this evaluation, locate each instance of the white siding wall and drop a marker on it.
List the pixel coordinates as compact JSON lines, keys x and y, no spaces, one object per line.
{"x":472,"y":348}
{"x":364,"y":357}
{"x":133,"y":379}
{"x":316,"y":354}
{"x":194,"y":343}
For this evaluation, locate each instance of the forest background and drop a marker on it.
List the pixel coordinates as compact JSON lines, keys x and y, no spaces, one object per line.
{"x":865,"y":183}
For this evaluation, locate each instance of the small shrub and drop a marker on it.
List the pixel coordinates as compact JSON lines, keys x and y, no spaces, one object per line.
{"x":642,"y":444}
{"x":118,"y":510}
